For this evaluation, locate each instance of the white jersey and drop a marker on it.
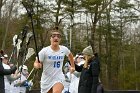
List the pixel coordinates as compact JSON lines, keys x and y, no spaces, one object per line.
{"x":71,"y":86}
{"x":18,"y":89}
{"x":13,"y":88}
{"x":6,"y":81}
{"x":52,"y":66}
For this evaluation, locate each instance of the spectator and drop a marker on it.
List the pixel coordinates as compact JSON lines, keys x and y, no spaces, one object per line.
{"x":20,"y":85}
{"x":90,"y":70}
{"x":4,"y":72}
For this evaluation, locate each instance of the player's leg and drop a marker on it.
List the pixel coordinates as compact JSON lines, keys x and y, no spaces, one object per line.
{"x":50,"y":91}
{"x":58,"y":87}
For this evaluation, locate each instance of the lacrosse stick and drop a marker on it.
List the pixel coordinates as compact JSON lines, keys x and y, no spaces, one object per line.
{"x":29,"y":35}
{"x":29,"y":9}
{"x":20,"y":49}
{"x":30,"y":73}
{"x":24,"y":33}
{"x":29,"y":54}
{"x":28,"y":51}
{"x":18,"y":46}
{"x":16,"y":43}
{"x":32,"y":77}
{"x":15,"y":40}
{"x":70,"y":77}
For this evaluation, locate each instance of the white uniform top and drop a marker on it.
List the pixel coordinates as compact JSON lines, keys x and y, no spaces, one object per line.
{"x":18,"y":89}
{"x":13,"y":88}
{"x":6,"y":81}
{"x":52,"y":66}
{"x":71,"y":86}
{"x":21,"y":79}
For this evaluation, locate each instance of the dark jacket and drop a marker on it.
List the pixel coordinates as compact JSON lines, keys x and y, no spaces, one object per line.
{"x":89,"y":77}
{"x":5,"y":72}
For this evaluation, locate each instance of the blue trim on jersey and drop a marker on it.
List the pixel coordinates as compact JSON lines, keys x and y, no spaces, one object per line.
{"x":55,"y":57}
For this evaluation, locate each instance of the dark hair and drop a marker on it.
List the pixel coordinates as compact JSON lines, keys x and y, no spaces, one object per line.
{"x":55,"y":29}
{"x":1,"y":53}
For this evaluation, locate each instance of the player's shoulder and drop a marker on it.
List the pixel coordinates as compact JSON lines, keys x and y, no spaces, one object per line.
{"x":63,"y":47}
{"x":45,"y":48}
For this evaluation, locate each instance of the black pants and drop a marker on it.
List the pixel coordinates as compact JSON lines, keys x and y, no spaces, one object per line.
{"x":100,"y":88}
{"x":2,"y":90}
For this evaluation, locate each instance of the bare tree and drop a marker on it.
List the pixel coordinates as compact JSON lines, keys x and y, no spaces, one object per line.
{"x":7,"y":24}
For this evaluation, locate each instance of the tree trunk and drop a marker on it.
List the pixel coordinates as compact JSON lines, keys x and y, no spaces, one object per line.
{"x":7,"y":24}
{"x":93,"y":29}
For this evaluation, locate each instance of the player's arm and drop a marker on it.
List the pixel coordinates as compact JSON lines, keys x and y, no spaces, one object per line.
{"x":37,"y":64}
{"x":70,"y":57}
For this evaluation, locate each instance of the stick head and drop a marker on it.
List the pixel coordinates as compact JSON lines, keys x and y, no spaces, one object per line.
{"x":30,"y":53}
{"x":15,"y":40}
{"x":29,"y":35}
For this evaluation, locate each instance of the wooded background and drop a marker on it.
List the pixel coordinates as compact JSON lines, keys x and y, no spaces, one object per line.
{"x":110,"y":26}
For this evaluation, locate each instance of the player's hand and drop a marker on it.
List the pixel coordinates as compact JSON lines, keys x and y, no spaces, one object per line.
{"x":37,"y":65}
{"x":72,"y":69}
